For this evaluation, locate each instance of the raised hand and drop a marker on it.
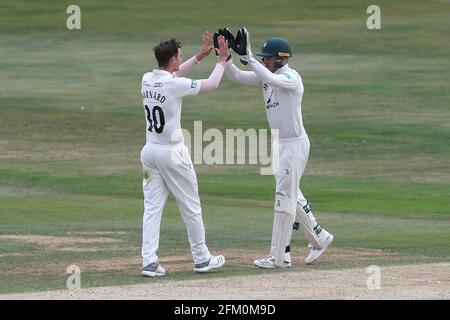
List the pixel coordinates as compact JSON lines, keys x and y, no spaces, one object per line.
{"x":216,"y":40}
{"x":242,"y":45}
{"x":228,"y":37}
{"x":248,"y":47}
{"x":223,"y":51}
{"x":206,"y":46}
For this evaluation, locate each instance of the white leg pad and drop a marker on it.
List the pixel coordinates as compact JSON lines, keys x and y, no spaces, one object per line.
{"x":307,"y":222}
{"x":282,"y":226}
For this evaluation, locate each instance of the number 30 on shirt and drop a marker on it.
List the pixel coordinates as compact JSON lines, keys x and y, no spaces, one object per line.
{"x":155,"y":119}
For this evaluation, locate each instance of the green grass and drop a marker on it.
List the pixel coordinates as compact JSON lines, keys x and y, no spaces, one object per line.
{"x":376,"y":107}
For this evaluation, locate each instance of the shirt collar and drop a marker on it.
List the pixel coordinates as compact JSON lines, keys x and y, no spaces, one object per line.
{"x":162,"y":72}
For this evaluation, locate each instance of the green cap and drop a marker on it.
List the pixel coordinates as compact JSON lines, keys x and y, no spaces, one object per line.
{"x":275,"y":46}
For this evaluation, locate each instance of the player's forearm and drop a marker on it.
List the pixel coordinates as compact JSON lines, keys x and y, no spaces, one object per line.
{"x":232,"y":71}
{"x":268,"y":77}
{"x":214,"y":79}
{"x":187,"y":66}
{"x":245,"y":77}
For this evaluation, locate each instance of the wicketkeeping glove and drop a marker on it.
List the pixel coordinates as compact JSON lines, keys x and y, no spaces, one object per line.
{"x":242,"y":45}
{"x":216,"y":42}
{"x":228,"y":37}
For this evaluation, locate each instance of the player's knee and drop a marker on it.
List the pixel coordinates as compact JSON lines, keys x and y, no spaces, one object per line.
{"x":285,"y":204}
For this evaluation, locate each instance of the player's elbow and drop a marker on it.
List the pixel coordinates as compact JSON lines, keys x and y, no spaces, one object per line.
{"x":283,"y":85}
{"x":214,"y":84}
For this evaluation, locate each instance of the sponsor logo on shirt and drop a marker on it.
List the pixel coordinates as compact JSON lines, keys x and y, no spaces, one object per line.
{"x":157,"y":84}
{"x":271,"y":105}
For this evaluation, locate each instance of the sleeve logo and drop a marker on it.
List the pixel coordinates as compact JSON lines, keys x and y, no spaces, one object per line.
{"x":194,"y":84}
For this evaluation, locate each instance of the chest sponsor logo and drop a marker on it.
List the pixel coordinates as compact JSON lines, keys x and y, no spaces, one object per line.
{"x":270,"y":105}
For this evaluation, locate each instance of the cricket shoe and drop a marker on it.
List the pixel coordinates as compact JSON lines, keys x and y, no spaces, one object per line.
{"x":268,"y":262}
{"x":287,"y":258}
{"x":213,"y":263}
{"x":153,"y":269}
{"x":325,"y":239}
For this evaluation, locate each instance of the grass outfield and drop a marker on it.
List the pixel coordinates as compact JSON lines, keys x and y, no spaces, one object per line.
{"x":376,"y":107}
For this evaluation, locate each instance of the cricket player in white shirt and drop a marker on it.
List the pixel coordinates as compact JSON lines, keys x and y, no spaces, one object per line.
{"x":165,"y":159}
{"x":282,"y":89}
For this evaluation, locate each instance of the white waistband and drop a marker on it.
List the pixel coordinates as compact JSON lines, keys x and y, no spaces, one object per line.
{"x":164,"y":146}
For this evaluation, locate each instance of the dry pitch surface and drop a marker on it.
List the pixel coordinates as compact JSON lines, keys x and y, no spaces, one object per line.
{"x":413,"y":281}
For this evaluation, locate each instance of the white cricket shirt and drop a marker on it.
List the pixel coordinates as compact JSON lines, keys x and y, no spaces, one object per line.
{"x":162,"y":95}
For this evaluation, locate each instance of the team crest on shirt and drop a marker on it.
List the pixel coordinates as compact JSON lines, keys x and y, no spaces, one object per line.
{"x":194,"y":84}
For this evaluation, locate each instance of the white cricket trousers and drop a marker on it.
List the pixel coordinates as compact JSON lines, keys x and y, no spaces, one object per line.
{"x":293,"y":156}
{"x":292,"y":159}
{"x":169,"y":168}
